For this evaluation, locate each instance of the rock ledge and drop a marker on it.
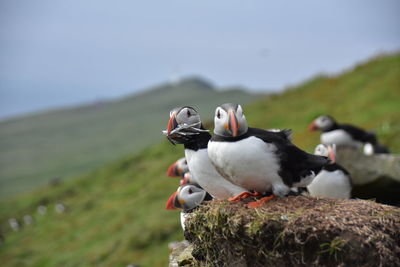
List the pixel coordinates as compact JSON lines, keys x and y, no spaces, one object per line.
{"x":296,"y":231}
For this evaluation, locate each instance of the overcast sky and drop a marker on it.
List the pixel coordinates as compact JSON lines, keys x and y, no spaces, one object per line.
{"x":59,"y":52}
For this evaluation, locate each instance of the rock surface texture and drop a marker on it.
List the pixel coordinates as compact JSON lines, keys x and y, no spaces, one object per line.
{"x":374,"y":177}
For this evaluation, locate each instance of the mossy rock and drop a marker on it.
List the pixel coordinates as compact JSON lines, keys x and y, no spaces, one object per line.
{"x":181,"y":254}
{"x":296,"y":231}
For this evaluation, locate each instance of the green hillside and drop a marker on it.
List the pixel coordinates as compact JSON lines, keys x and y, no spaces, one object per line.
{"x":70,"y":142}
{"x":116,"y":214}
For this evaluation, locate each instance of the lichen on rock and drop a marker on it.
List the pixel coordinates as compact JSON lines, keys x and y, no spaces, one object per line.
{"x":296,"y":231}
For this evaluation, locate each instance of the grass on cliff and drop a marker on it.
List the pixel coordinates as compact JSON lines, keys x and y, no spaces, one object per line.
{"x":296,"y":231}
{"x":116,"y":214}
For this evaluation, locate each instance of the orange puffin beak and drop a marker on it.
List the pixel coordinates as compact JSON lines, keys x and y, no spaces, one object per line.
{"x":171,"y":170}
{"x":312,"y":127}
{"x":170,"y":203}
{"x":172,"y":123}
{"x":185,"y":179}
{"x":331,"y":154}
{"x":233,"y":123}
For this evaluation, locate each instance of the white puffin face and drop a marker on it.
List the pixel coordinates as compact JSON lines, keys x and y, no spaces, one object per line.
{"x":190,"y":196}
{"x":324,"y":123}
{"x":321,"y":150}
{"x":186,"y":115}
{"x":229,"y":120}
{"x":326,"y":151}
{"x":182,"y":167}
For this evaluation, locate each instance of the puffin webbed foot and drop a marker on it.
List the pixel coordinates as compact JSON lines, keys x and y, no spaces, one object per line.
{"x":244,"y":195}
{"x":260,"y":202}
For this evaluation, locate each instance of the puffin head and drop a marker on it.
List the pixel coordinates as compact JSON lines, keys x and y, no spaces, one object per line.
{"x":178,"y":168}
{"x":186,"y":197}
{"x":229,"y":120}
{"x":187,"y":178}
{"x":183,"y":115}
{"x":323,"y":123}
{"x":328,"y":151}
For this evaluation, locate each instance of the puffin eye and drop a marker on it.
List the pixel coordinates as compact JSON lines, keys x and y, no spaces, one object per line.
{"x":188,"y":113}
{"x":218,"y":114}
{"x":190,"y":191}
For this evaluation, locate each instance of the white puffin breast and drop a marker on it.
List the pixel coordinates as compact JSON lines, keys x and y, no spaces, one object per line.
{"x":334,"y":184}
{"x":339,"y":137}
{"x":207,"y":176}
{"x":250,"y":163}
{"x":184,"y":215}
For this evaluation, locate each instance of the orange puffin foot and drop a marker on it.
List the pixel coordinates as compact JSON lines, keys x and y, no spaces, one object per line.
{"x":260,"y":202}
{"x":244,"y":195}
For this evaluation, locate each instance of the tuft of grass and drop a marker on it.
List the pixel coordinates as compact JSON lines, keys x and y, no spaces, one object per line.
{"x":333,"y":248}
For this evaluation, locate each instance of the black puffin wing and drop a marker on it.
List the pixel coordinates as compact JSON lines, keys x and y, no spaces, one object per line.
{"x":297,"y":164}
{"x":286,"y":134}
{"x":277,"y":137}
{"x":359,"y":134}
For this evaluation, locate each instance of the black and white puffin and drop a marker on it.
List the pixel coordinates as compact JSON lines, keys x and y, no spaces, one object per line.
{"x":257,"y":159}
{"x":333,"y":181}
{"x":178,"y":168}
{"x":341,"y":134}
{"x":185,"y":127}
{"x":188,"y":197}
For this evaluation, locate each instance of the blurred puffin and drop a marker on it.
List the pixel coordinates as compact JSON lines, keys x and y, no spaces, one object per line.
{"x":333,"y":180}
{"x":178,"y":168}
{"x":185,"y":127}
{"x":340,"y":134}
{"x":188,"y":197}
{"x":257,"y":159}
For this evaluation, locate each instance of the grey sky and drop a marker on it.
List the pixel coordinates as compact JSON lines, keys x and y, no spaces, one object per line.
{"x":65,"y":52}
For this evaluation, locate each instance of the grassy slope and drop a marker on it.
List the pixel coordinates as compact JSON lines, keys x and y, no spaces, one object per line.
{"x":368,"y":96}
{"x":116,"y":213}
{"x":70,"y":142}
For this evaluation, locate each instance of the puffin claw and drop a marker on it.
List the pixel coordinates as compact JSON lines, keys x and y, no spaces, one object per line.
{"x":243,"y":195}
{"x":260,"y":202}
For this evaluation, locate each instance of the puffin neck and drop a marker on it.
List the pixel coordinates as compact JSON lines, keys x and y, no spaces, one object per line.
{"x":221,"y":138}
{"x":199,"y":141}
{"x":335,"y":126}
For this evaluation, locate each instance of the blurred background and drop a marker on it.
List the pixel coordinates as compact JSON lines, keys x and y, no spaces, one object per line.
{"x":86,"y":88}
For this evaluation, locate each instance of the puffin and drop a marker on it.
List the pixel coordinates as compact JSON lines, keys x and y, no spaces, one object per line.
{"x":333,"y":181}
{"x":341,"y":134}
{"x":258,"y":159}
{"x":188,"y":197}
{"x":178,"y":168}
{"x":185,"y":127}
